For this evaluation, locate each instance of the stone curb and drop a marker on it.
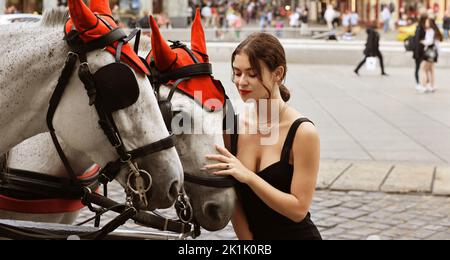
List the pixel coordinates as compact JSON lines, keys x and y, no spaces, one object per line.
{"x":389,"y":177}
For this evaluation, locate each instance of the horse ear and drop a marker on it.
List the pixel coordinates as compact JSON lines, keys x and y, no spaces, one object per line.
{"x":100,"y":7}
{"x":81,"y":15}
{"x":164,"y":56}
{"x":198,"y":40}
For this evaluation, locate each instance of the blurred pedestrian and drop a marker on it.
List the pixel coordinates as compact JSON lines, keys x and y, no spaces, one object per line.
{"x":237,"y":26}
{"x":144,"y":22}
{"x":432,"y":37}
{"x":207,"y":14}
{"x":304,"y":21}
{"x":372,"y":49}
{"x":446,"y":24}
{"x":263,"y":21}
{"x":418,"y":49}
{"x":279,"y":26}
{"x":386,"y":17}
{"x":329,"y":17}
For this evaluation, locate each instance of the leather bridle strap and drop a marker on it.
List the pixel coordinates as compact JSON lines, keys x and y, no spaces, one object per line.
{"x":141,"y":217}
{"x":54,"y":102}
{"x":215,"y":182}
{"x":104,"y":40}
{"x":197,"y":69}
{"x":110,"y":171}
{"x":27,"y":185}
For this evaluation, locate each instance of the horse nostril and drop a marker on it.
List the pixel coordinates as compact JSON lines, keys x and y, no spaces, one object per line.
{"x":212,"y":211}
{"x":173,"y":191}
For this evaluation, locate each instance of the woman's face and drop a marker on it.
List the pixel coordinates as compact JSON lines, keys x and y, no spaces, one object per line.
{"x":427,"y":24}
{"x":247,"y":82}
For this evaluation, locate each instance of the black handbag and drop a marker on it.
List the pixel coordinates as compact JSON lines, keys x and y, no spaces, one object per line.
{"x":431,"y":53}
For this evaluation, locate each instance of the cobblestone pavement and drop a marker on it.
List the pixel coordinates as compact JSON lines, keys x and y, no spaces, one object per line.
{"x":355,"y":215}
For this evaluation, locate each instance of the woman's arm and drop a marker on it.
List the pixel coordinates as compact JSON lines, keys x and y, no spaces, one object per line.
{"x":238,"y":219}
{"x":240,"y":224}
{"x":295,"y":205}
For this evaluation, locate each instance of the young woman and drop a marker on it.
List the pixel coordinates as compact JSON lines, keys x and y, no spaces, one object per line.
{"x":430,"y":56}
{"x":277,"y":181}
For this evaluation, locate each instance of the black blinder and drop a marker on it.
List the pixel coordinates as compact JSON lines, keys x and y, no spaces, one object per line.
{"x":117,"y":86}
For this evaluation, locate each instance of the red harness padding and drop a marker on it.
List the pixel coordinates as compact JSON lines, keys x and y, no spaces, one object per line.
{"x":167,"y":59}
{"x":85,"y":20}
{"x":46,"y":206}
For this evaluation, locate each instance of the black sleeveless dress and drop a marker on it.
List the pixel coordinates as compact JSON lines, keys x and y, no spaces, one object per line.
{"x":264,"y":222}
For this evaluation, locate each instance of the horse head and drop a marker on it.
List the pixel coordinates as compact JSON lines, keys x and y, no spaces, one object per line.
{"x":119,"y":121}
{"x":193,"y":106}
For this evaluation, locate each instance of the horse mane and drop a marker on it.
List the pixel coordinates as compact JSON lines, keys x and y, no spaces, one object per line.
{"x":55,"y":16}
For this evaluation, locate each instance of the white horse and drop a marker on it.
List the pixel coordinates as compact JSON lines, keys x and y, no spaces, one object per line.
{"x":32,"y":58}
{"x":38,"y":154}
{"x":212,"y":205}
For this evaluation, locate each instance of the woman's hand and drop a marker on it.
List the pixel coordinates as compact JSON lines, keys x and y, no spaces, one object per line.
{"x":228,"y":165}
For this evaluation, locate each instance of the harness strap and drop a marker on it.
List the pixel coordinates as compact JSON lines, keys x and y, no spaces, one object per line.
{"x":105,"y":119}
{"x":142,"y":217}
{"x":79,"y":50}
{"x":216,"y":181}
{"x":105,"y":40}
{"x":110,"y":171}
{"x":197,"y":69}
{"x":28,"y":185}
{"x":54,"y":102}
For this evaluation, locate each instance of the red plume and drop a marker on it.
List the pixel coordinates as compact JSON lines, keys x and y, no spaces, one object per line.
{"x":164,"y":56}
{"x":100,"y":7}
{"x":198,"y":40}
{"x":81,"y":15}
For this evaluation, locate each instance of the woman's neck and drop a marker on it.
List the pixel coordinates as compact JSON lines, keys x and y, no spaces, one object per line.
{"x":269,"y":111}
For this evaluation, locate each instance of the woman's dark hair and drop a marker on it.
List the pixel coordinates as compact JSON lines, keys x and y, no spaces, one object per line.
{"x":423,"y":18}
{"x":263,"y":47}
{"x":438,"y":34}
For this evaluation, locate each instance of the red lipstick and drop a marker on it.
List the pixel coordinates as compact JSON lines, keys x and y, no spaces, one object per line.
{"x":245,"y":92}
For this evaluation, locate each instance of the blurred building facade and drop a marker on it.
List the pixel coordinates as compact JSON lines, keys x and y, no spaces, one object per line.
{"x":368,"y":10}
{"x":174,"y":9}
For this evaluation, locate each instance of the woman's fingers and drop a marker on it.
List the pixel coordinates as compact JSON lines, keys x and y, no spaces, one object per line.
{"x":223,"y":172}
{"x":219,"y":166}
{"x":218,"y":157}
{"x":224,"y":151}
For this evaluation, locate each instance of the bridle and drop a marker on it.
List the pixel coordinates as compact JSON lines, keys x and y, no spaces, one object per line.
{"x":139,"y":181}
{"x":178,"y":76}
